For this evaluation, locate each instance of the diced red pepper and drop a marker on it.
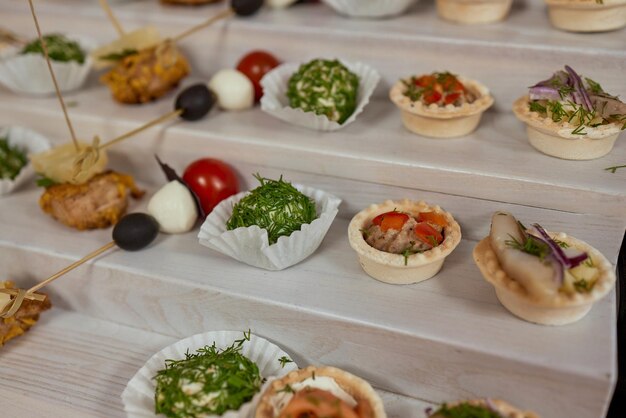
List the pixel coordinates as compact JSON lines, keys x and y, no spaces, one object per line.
{"x":427,"y":234}
{"x":431,"y":97}
{"x":391,"y":220}
{"x":451,"y":98}
{"x":425,"y":81}
{"x":433,"y":218}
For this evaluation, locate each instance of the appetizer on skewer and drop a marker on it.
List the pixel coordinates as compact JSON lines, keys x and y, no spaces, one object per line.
{"x":571,"y":117}
{"x":541,"y":277}
{"x":479,"y":408}
{"x":25,"y":316}
{"x":587,"y":15}
{"x":440,"y":105}
{"x":403,"y":242}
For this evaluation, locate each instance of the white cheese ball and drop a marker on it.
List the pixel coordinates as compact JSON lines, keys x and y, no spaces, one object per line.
{"x":233,"y":89}
{"x":279,"y":4}
{"x":174,"y":207}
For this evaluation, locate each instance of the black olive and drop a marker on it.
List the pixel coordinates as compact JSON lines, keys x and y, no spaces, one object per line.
{"x":246,"y":7}
{"x":135,"y":231}
{"x":195,"y":101}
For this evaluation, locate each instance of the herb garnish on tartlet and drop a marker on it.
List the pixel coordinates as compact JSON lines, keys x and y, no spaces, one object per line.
{"x":60,"y":48}
{"x":12,"y":159}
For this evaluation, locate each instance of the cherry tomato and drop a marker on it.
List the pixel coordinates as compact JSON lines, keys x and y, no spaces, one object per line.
{"x":255,"y":65}
{"x":427,"y":234}
{"x":432,"y":96}
{"x":212,"y":180}
{"x":433,"y":218}
{"x":390,"y":220}
{"x":451,"y":98}
{"x":426,"y":81}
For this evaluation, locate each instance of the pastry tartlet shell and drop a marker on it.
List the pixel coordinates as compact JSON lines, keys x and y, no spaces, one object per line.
{"x":389,"y":267}
{"x":504,"y":408}
{"x":556,"y":138}
{"x":560,"y":310}
{"x":472,"y":12}
{"x":442,"y":122}
{"x":587,"y":15}
{"x":356,"y":387}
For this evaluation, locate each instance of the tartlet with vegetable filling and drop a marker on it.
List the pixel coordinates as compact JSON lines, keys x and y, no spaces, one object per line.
{"x":471,"y":12}
{"x":403,"y":242}
{"x":479,"y":408}
{"x":571,"y":117}
{"x":587,"y":15}
{"x":541,"y":277}
{"x":440,"y":105}
{"x":320,"y":392}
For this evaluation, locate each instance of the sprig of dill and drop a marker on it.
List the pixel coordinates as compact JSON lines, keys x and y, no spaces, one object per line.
{"x":465,"y":410}
{"x":529,"y":246}
{"x":284,"y":360}
{"x":60,"y":48}
{"x":615,"y":168}
{"x":275,"y":206}
{"x":227,"y":378}
{"x":12,"y":159}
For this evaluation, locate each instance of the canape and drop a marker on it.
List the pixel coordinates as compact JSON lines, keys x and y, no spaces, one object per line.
{"x":483,"y":408}
{"x":441,"y":105}
{"x":403,"y":242}
{"x":541,"y":277}
{"x":470,"y":12}
{"x":587,"y":15}
{"x":569,"y":118}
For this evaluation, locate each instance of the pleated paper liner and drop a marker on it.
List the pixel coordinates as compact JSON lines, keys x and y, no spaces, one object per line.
{"x":138,"y":397}
{"x":276,"y":103}
{"x":370,"y":8}
{"x":251,"y":245}
{"x":31,"y":142}
{"x":28,"y":73}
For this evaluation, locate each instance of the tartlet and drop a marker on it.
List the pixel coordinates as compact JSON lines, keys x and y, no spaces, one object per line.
{"x":441,"y":120}
{"x":569,"y":118}
{"x":587,"y":15}
{"x":281,"y":391}
{"x":542,"y":302}
{"x":471,"y":12}
{"x":497,"y":407}
{"x":398,"y":268}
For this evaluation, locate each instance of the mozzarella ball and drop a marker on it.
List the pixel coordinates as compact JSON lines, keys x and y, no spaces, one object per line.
{"x":174,"y":207}
{"x":279,"y":4}
{"x":233,"y":89}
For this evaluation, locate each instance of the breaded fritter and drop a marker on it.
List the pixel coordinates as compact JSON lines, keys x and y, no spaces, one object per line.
{"x":25,"y":317}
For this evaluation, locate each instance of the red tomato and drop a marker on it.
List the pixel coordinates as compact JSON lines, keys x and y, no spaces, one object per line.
{"x":255,"y":65}
{"x":431,"y":97}
{"x":427,"y":234}
{"x":451,"y":98}
{"x":426,"y":81}
{"x":212,"y":180}
{"x":433,"y":218}
{"x":390,"y":220}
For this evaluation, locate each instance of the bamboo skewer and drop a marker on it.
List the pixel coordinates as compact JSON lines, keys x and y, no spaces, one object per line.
{"x":116,"y":24}
{"x":221,"y":15}
{"x":54,"y":79}
{"x":153,"y":122}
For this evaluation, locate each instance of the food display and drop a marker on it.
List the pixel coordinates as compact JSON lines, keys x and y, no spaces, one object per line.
{"x":471,"y":12}
{"x":370,"y":8}
{"x":23,"y":319}
{"x":587,"y":15}
{"x":541,"y":277}
{"x":403,"y":242}
{"x":440,"y":105}
{"x":255,"y":65}
{"x":210,"y":374}
{"x":318,"y":392}
{"x":571,"y":117}
{"x":273,"y":226}
{"x":321,"y":94}
{"x":479,"y":408}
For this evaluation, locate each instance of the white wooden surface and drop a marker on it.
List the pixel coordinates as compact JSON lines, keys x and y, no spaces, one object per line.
{"x":72,"y":365}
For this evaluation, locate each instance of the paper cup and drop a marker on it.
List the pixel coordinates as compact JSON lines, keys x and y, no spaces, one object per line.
{"x":138,"y":397}
{"x":370,"y":8}
{"x":276,"y":103}
{"x":251,"y":245}
{"x":29,"y":73}
{"x":30,"y":141}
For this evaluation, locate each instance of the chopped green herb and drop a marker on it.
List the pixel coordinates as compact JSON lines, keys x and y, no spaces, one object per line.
{"x":535,"y":106}
{"x":530,"y":246}
{"x":286,"y":389}
{"x":589,"y":262}
{"x":12,"y":159}
{"x":615,"y":168}
{"x":560,"y":243}
{"x":45,"y":182}
{"x":119,"y":55}
{"x":594,"y":87}
{"x":60,"y":48}
{"x":582,"y":285}
{"x":465,"y":410}
{"x":284,"y":360}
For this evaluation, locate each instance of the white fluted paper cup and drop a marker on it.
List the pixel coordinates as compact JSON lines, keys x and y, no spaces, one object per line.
{"x":370,"y":8}
{"x":29,"y":74}
{"x":138,"y":397}
{"x":32,"y":143}
{"x":251,"y":245}
{"x":276,"y":103}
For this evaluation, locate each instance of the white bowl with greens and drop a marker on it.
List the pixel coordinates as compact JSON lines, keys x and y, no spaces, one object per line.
{"x":16,"y":143}
{"x":25,"y":71}
{"x":213,"y":374}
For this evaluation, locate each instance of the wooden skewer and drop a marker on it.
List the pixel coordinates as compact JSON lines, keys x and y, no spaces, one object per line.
{"x":156,"y":121}
{"x":221,"y":15}
{"x":29,"y":296}
{"x":54,"y":79}
{"x":107,"y":9}
{"x":71,"y":267}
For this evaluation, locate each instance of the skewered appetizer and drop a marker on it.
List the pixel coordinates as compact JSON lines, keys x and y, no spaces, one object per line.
{"x":22,"y":70}
{"x":479,"y":408}
{"x":587,"y":15}
{"x":23,"y":319}
{"x":471,"y":12}
{"x":403,"y":242}
{"x":569,"y":118}
{"x":317,"y":392}
{"x":541,"y":277}
{"x":440,"y":105}
{"x":370,"y":8}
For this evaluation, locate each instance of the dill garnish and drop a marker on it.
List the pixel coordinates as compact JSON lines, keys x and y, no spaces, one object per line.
{"x":60,"y":48}
{"x":530,"y":246}
{"x":465,"y":410}
{"x":12,"y":159}
{"x":284,"y":360}
{"x":615,"y":168}
{"x":275,"y":206}
{"x":211,"y":381}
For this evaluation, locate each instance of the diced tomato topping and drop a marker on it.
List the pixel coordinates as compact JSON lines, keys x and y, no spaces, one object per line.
{"x":425,"y":81}
{"x":431,"y":97}
{"x":391,"y":220}
{"x":433,"y":218}
{"x":451,"y":98}
{"x":427,"y":234}
{"x":452,"y":84}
